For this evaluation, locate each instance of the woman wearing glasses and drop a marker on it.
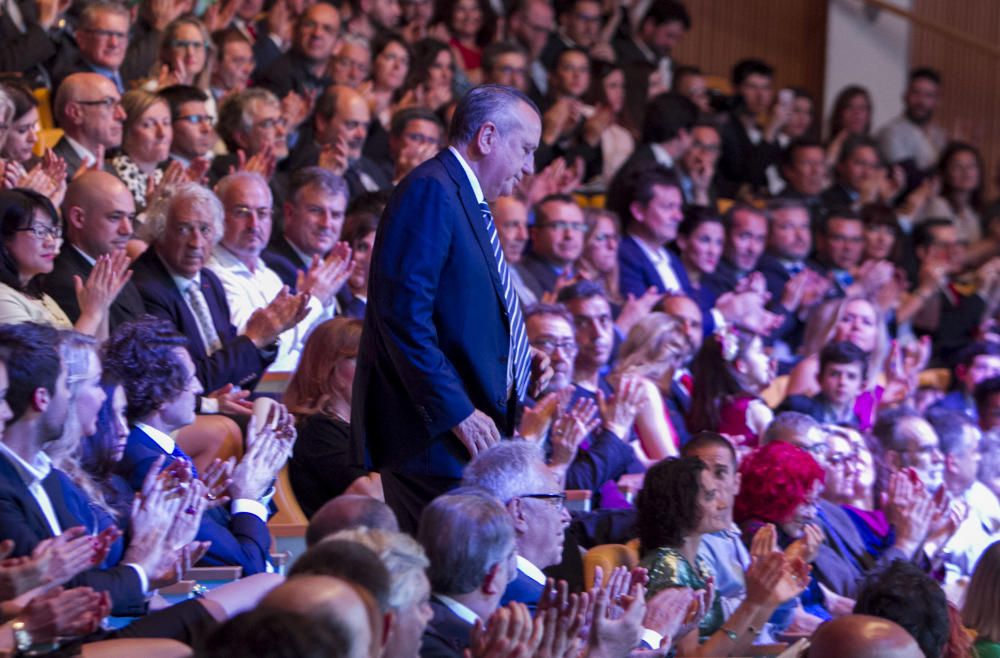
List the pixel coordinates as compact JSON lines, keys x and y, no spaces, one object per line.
{"x":146,"y":137}
{"x":30,"y":237}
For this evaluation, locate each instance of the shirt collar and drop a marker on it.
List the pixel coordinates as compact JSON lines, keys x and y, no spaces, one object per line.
{"x":182,"y":282}
{"x":303,"y":256}
{"x":655,"y":253}
{"x":85,"y":255}
{"x":230,"y":261}
{"x":480,"y":197}
{"x":461,"y":611}
{"x":530,"y":570}
{"x":29,"y":472}
{"x":661,"y":155}
{"x":160,"y":438}
{"x":85,"y":154}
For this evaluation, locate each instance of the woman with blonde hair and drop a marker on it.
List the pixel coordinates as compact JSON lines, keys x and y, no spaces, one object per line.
{"x":319,"y":394}
{"x":654,"y":348}
{"x":981,"y":612}
{"x":599,"y":260}
{"x":146,"y":136}
{"x":186,"y":51}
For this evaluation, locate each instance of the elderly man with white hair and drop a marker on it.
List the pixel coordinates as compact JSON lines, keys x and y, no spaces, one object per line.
{"x":176,"y":285}
{"x":250,"y":284}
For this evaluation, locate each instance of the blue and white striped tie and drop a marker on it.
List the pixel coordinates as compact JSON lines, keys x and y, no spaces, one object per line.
{"x":519,"y":351}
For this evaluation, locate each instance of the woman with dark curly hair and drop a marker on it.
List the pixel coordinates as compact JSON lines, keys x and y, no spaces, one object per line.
{"x":680,"y":501}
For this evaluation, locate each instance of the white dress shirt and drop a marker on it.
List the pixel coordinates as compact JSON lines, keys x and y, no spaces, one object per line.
{"x":660,"y":259}
{"x":461,"y":610}
{"x":32,"y":475}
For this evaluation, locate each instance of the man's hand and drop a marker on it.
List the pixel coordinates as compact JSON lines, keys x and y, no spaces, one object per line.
{"x":65,"y":613}
{"x":618,"y":412}
{"x":636,"y":309}
{"x":232,"y":403}
{"x":477,"y":432}
{"x":286,"y":311}
{"x":541,"y":372}
{"x":325,"y":277}
{"x":266,"y":454}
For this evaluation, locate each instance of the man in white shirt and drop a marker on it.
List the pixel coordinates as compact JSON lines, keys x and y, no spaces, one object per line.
{"x":913,"y":139}
{"x":249,"y":284}
{"x":467,"y":578}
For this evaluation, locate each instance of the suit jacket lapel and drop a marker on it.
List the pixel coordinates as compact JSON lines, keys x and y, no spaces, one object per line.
{"x":475,"y":217}
{"x":8,"y":473}
{"x":186,"y":320}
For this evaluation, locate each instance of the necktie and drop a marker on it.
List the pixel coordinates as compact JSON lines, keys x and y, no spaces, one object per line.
{"x":794,"y":268}
{"x":182,"y":456}
{"x":519,"y":351}
{"x":196,"y":298}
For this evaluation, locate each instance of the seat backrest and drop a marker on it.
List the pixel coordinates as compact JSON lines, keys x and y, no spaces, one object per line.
{"x":607,"y":557}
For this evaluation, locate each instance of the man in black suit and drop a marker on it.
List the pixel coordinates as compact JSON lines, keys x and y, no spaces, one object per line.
{"x":314,"y":216}
{"x":856,"y":168}
{"x":88,"y":109}
{"x":556,"y":243}
{"x":648,"y":50}
{"x":303,"y":69}
{"x":102,"y":35}
{"x":444,"y":361}
{"x":466,"y":584}
{"x":25,"y":41}
{"x":175,"y":285}
{"x":531,"y":24}
{"x":99,"y":212}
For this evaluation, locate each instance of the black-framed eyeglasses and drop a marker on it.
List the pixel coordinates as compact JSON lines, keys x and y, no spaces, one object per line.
{"x":108,"y":102}
{"x":195,"y":119}
{"x":550,"y":345}
{"x":559,"y":499}
{"x":41,"y":231}
{"x":185,"y":44}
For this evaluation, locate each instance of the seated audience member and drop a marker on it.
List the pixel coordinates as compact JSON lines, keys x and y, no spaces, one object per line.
{"x":303,"y":69}
{"x":599,"y":260}
{"x":156,"y":370}
{"x":605,"y":457}
{"x":30,"y":238}
{"x":700,"y":238}
{"x":987,"y":396}
{"x":248,"y":282}
{"x":977,"y":363}
{"x":351,"y":62}
{"x":252,"y":122}
{"x":349,"y":511}
{"x":185,"y":55}
{"x":902,"y":593}
{"x":780,"y":485}
{"x":177,"y":286}
{"x":339,"y":128}
{"x":146,"y":137}
{"x":960,"y":444}
{"x":748,"y":148}
{"x":101,"y":35}
{"x":683,"y":309}
{"x":856,"y":180}
{"x":842,"y":374}
{"x":979,"y":612}
{"x":349,"y":560}
{"x":360,"y":225}
{"x":390,"y":68}
{"x":510,"y":216}
{"x":469,"y":541}
{"x":803,"y":166}
{"x":313,"y":219}
{"x":746,"y":236}
{"x":862,"y":636}
{"x":101,"y":451}
{"x":840,"y":248}
{"x":506,"y":63}
{"x":331,"y":603}
{"x":914,"y":139}
{"x":679,"y":503}
{"x":267,"y":633}
{"x":322,"y":466}
{"x":99,"y":214}
{"x":989,"y":467}
{"x":729,"y":372}
{"x":515,"y":474}
{"x":799,"y":430}
{"x":909,"y":441}
{"x":609,"y":128}
{"x":652,"y":351}
{"x":193,"y":123}
{"x":415,"y":135}
{"x":948,"y":314}
{"x":689,"y":81}
{"x":88,"y":108}
{"x":234,"y":59}
{"x":23,"y":134}
{"x":410,"y":592}
{"x":556,"y":244}
{"x":432,"y":74}
{"x":696,"y":168}
{"x":884,"y":237}
{"x":960,"y":171}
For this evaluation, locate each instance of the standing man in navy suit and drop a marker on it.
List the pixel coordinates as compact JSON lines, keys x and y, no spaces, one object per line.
{"x":444,"y":359}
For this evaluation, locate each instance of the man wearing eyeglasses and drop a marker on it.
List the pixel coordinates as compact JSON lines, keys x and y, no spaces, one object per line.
{"x":194,"y":125}
{"x":415,"y":136}
{"x":88,"y":109}
{"x":556,"y":243}
{"x":102,"y":37}
{"x":303,"y":69}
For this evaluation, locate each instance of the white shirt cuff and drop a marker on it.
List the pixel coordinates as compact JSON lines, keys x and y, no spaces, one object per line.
{"x":651,"y":638}
{"x":720,"y":321}
{"x":209,"y":406}
{"x":143,"y":578}
{"x":245,"y":505}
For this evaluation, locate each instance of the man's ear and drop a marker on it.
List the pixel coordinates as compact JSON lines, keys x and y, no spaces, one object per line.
{"x":388,"y":625}
{"x":894,"y":459}
{"x":40,"y":398}
{"x":950,"y":465}
{"x":495,"y":581}
{"x":486,"y":138}
{"x":75,"y":217}
{"x":518,"y":515}
{"x":637,"y":210}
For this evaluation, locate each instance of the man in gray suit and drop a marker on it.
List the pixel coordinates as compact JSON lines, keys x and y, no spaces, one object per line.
{"x":89,"y":111}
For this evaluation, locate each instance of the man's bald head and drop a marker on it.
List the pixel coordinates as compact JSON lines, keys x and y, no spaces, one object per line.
{"x":342,"y":114}
{"x":83,"y":111}
{"x":350,"y":511}
{"x":861,"y":636}
{"x":99,"y":212}
{"x":333,"y":602}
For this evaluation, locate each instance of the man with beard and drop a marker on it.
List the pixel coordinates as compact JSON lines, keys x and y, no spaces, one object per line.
{"x":339,"y":129}
{"x":913,"y":139}
{"x":746,"y":236}
{"x":511,"y":217}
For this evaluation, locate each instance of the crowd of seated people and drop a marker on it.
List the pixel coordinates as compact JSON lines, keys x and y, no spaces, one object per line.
{"x":774,"y":415}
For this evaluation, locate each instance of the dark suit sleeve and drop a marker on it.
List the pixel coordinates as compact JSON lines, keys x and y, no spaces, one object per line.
{"x":237,"y":540}
{"x":608,"y":458}
{"x":631,"y":277}
{"x":121,"y":582}
{"x":19,"y":52}
{"x":404,"y":283}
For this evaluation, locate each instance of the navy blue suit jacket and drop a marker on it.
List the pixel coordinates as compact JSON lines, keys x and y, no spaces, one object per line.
{"x":523,"y":590}
{"x":237,"y":539}
{"x":238,"y":362}
{"x":447,"y":635}
{"x":22,"y":520}
{"x":281,"y":257}
{"x":436,"y":337}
